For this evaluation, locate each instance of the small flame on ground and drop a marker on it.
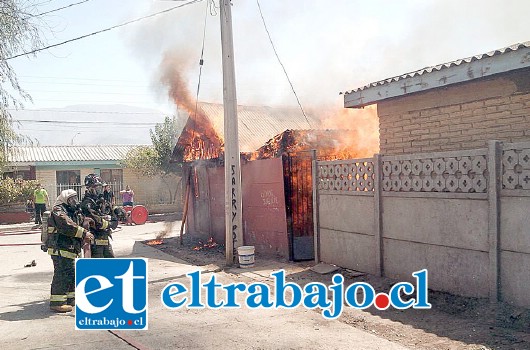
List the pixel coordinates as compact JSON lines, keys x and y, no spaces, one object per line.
{"x":209,"y":244}
{"x":155,"y":242}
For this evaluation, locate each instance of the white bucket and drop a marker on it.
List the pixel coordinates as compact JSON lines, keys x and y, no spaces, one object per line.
{"x":246,"y":256}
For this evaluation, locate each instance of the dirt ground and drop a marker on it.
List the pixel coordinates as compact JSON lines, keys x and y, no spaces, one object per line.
{"x":454,"y":322}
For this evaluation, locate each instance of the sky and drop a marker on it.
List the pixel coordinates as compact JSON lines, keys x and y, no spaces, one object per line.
{"x":325,"y":46}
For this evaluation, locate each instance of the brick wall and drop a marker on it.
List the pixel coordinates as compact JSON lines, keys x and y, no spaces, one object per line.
{"x":457,"y":117}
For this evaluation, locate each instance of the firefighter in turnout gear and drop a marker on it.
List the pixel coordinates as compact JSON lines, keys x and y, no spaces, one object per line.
{"x":93,"y":206}
{"x":65,"y":238}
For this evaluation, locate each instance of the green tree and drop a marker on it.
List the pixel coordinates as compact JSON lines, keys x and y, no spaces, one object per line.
{"x":155,"y":160}
{"x":20,"y":31}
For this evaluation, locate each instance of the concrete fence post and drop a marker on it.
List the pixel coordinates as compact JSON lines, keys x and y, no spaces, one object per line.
{"x":494,"y":210}
{"x":316,"y":203}
{"x":378,"y":216}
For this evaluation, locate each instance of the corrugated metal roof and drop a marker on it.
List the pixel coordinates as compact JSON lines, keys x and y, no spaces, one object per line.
{"x":451,"y":65}
{"x":258,"y":124}
{"x":36,"y":154}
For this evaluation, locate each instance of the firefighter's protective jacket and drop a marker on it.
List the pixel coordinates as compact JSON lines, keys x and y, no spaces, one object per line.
{"x":65,"y":231}
{"x":92,"y":209}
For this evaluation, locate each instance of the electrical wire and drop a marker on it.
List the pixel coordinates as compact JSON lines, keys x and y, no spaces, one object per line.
{"x":81,"y":122}
{"x":58,"y":9}
{"x":283,"y":67}
{"x":91,"y":112}
{"x":77,"y":78}
{"x":102,"y":30}
{"x":201,"y":61}
{"x":91,"y":92}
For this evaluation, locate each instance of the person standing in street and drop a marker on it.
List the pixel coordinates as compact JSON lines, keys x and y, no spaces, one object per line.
{"x":108,"y":195}
{"x":127,"y":196}
{"x":40,"y":198}
{"x":65,"y":239}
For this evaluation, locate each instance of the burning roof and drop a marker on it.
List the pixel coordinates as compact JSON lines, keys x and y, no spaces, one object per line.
{"x":330,"y":144}
{"x":202,"y":137}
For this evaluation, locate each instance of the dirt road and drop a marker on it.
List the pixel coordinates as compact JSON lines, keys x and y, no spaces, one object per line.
{"x":453,"y":323}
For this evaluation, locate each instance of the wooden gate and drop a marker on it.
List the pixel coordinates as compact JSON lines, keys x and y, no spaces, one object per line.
{"x":297,"y":169}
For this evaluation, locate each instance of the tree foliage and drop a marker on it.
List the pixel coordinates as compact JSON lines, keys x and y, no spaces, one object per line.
{"x":155,"y":160}
{"x":164,"y":139}
{"x":143,"y":159}
{"x":16,"y":191}
{"x":20,"y":31}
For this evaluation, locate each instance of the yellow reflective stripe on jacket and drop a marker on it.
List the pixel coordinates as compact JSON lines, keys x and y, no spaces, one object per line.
{"x":102,"y":242}
{"x":51,"y":229}
{"x":63,"y":253}
{"x":58,"y":297}
{"x":70,"y":295}
{"x":104,"y":224}
{"x":79,"y":233}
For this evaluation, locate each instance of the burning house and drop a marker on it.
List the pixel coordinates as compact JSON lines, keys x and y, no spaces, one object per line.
{"x":276,"y":172}
{"x":275,"y":168}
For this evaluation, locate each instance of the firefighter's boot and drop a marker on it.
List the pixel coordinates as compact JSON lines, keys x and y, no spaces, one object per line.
{"x":61,"y":308}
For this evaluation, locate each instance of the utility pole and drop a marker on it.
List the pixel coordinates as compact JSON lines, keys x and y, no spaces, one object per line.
{"x":233,"y":201}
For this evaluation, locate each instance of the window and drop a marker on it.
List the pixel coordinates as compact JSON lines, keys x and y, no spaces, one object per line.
{"x":19,"y":172}
{"x":68,"y":177}
{"x":112,"y":176}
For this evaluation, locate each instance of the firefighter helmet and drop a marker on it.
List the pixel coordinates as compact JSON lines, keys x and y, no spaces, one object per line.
{"x":92,"y":180}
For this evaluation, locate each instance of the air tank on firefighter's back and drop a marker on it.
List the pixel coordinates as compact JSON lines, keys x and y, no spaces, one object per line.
{"x":44,"y":230}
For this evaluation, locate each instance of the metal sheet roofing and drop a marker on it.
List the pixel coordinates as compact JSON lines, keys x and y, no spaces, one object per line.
{"x":36,"y":154}
{"x":258,"y":124}
{"x":502,"y":60}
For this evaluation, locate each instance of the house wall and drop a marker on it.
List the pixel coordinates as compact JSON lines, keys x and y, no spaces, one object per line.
{"x":48,"y":182}
{"x":153,"y":191}
{"x":462,"y":215}
{"x":264,"y":215}
{"x":458,"y":117}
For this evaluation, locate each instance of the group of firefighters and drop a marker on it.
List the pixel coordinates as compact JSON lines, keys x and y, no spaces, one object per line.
{"x":72,"y":228}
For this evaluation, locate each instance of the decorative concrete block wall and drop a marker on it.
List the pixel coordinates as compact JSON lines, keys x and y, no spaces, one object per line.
{"x":463,"y":215}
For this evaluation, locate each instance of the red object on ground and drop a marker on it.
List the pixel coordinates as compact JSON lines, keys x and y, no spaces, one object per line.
{"x":139,"y":214}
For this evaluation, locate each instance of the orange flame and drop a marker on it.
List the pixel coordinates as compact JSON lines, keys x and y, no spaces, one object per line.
{"x":209,"y":244}
{"x":199,"y":136}
{"x":360,"y":138}
{"x":155,"y":242}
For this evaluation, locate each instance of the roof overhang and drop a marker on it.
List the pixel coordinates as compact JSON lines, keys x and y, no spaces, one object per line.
{"x":476,"y":67}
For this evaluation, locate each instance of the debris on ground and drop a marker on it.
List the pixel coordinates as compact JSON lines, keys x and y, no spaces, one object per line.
{"x":32,"y":263}
{"x":324,"y":268}
{"x":208,"y":245}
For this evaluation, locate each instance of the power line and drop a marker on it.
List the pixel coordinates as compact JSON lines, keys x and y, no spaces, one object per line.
{"x":87,"y":101}
{"x":80,"y":122}
{"x":77,"y":78}
{"x":83,"y":84}
{"x":103,"y":30}
{"x":283,"y":67}
{"x":58,"y":9}
{"x":93,"y":92}
{"x":80,"y":111}
{"x":201,"y":61}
